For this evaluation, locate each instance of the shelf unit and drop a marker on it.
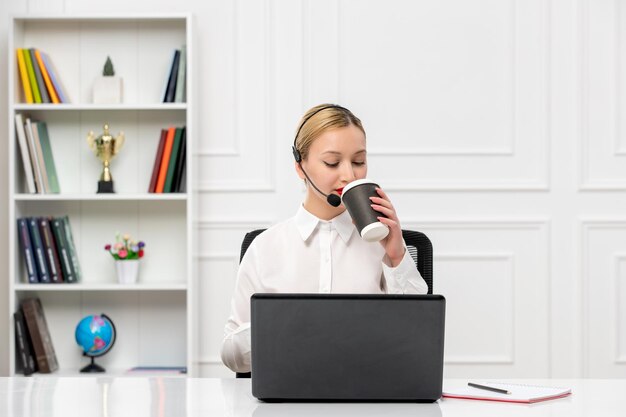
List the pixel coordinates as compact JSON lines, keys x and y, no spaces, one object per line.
{"x":153,"y":317}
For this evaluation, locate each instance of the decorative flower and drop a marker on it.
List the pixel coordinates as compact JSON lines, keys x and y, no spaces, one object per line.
{"x":125,"y":249}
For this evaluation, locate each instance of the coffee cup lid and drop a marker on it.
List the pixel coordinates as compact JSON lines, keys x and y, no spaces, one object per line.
{"x":374,"y":232}
{"x":356,"y":183}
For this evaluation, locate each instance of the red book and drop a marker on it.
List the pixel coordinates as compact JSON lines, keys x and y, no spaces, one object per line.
{"x":157,"y":162}
{"x":165,"y":161}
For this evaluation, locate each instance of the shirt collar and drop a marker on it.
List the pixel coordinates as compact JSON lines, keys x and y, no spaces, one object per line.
{"x":307,"y":222}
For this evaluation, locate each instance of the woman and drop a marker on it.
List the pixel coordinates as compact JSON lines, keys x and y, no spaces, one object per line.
{"x":319,"y":250}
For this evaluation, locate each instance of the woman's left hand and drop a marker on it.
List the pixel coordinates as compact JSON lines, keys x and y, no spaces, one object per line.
{"x":393,"y":243}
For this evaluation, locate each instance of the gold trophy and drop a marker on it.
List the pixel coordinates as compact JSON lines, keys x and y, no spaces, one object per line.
{"x":105,"y":147}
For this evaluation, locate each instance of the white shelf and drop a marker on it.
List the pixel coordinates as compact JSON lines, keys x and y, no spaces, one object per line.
{"x":100,"y":107}
{"x":159,"y":309}
{"x":101,"y":287}
{"x":102,"y":197}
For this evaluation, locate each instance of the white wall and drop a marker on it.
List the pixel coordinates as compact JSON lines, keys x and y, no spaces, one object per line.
{"x":494,"y":125}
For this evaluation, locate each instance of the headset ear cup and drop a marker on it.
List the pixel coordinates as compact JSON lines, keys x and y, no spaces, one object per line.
{"x":296,"y":154}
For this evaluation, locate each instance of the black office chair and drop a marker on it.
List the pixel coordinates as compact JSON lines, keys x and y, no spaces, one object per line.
{"x":419,"y":246}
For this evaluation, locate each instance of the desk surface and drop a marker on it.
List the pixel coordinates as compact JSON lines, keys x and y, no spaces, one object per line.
{"x":164,"y":397}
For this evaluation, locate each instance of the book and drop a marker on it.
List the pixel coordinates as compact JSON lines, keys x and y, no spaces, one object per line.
{"x":165,"y":160}
{"x":38,"y":251}
{"x":58,"y":230}
{"x":183,"y":180}
{"x":27,"y":251}
{"x":180,"y":95}
{"x":46,"y":78}
{"x":26,"y":161}
{"x":180,"y":162}
{"x":48,"y":158}
{"x":167,"y":188}
{"x":21,"y":65}
{"x":50,"y":249}
{"x":45,"y":98}
{"x":519,"y":393}
{"x":31,"y":76}
{"x":37,"y":155}
{"x":33,"y":156}
{"x":157,"y":162}
{"x":69,"y":239}
{"x":26,"y":363}
{"x":40,"y":335}
{"x":41,"y":161}
{"x":56,"y":82}
{"x":170,"y":91}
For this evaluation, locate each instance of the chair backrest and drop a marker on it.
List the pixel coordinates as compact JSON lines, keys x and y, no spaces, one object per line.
{"x":419,"y":246}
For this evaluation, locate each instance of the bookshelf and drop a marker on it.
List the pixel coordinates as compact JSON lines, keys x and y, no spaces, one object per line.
{"x":153,"y":317}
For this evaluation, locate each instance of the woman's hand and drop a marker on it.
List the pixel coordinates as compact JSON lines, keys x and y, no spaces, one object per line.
{"x":393,"y":243}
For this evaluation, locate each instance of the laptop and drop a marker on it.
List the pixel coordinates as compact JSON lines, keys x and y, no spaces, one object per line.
{"x":347,"y":347}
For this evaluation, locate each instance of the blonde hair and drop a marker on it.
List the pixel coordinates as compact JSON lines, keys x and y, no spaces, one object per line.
{"x":320,"y":119}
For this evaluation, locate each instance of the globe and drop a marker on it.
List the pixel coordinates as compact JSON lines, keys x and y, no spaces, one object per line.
{"x":95,"y":334}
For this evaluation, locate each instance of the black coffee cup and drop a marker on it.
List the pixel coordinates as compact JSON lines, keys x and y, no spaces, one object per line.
{"x":356,"y":198}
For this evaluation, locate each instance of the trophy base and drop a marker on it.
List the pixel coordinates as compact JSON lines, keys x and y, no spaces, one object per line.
{"x":105,"y":187}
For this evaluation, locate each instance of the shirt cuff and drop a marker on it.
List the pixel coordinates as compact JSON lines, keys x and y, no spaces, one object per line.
{"x":396,"y":276}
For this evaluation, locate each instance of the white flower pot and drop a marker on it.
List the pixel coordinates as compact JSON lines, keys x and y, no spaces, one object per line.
{"x":127,"y":271}
{"x":107,"y":90}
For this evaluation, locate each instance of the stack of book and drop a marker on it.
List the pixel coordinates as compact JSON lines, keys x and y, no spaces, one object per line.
{"x":34,"y":349}
{"x":175,"y":87}
{"x":40,"y":81}
{"x":37,"y":158}
{"x":169,"y":171}
{"x":48,"y":250}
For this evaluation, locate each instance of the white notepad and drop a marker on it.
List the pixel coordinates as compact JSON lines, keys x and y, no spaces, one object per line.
{"x":519,"y":393}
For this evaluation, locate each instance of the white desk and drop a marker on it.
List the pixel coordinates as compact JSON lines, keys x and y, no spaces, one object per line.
{"x":164,"y":397}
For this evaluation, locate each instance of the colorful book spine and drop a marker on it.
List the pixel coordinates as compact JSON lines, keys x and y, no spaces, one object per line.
{"x":21,"y":64}
{"x":157,"y":162}
{"x":165,"y":160}
{"x":56,"y":81}
{"x":40,"y":83}
{"x":49,"y":246}
{"x":51,"y":171}
{"x":171,"y":167}
{"x":34,"y":156}
{"x":26,"y":161}
{"x":46,"y":78}
{"x":27,"y":251}
{"x":180,"y":162}
{"x":38,"y":250}
{"x":62,"y":246}
{"x":170,"y":92}
{"x":69,"y":238}
{"x":31,"y":76}
{"x":181,"y":76}
{"x":27,"y":364}
{"x":40,"y":335}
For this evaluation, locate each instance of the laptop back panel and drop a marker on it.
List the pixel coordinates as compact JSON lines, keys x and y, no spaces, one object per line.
{"x":347,"y":347}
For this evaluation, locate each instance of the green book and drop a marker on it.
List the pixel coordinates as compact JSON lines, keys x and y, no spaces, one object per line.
{"x":51,"y":170}
{"x":31,"y":75}
{"x":171,"y":168}
{"x":69,"y":239}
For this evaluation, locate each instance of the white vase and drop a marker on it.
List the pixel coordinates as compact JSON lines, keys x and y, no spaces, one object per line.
{"x":127,"y":271}
{"x":107,"y":90}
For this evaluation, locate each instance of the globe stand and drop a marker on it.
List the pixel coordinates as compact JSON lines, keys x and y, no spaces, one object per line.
{"x":92,"y":367}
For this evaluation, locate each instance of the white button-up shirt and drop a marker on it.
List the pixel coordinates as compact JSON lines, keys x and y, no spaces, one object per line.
{"x":307,"y":255}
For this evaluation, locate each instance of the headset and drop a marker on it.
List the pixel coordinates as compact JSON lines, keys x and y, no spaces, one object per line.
{"x":332,"y":199}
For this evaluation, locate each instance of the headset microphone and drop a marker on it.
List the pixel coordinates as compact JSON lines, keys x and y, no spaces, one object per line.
{"x":332,"y":199}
